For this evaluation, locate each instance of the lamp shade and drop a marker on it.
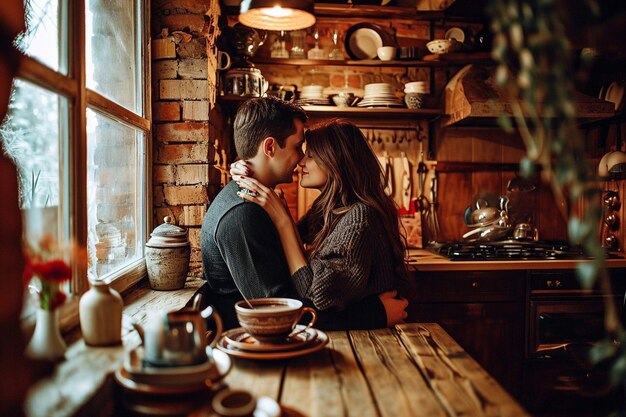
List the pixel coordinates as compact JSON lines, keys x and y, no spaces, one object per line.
{"x":277,"y":14}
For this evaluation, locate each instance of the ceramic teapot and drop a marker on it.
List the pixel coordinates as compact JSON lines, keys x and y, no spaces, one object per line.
{"x":178,"y":338}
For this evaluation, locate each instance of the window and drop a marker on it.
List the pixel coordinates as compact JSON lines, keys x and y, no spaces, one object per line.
{"x":77,"y":130}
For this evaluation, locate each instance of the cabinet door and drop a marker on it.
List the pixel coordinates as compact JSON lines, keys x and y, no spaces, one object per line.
{"x":492,"y":333}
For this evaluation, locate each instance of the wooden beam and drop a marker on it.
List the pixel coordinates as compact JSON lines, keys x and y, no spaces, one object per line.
{"x":37,"y":73}
{"x":113,"y":109}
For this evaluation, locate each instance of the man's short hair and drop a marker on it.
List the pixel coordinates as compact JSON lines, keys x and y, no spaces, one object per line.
{"x":260,"y":118}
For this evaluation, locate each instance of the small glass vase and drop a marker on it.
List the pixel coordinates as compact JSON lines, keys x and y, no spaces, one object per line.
{"x":47,"y":343}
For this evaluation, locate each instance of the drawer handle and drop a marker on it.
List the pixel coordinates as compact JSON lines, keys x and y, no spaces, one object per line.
{"x":475,"y":284}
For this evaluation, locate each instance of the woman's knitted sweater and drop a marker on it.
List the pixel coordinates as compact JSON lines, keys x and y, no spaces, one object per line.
{"x":354,"y":261}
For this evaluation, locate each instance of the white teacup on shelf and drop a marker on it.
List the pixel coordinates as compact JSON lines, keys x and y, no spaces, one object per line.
{"x":386,"y":53}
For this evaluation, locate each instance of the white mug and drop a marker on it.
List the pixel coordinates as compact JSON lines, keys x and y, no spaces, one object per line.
{"x":223,"y":60}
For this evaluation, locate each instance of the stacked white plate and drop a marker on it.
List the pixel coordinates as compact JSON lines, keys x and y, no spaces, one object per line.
{"x":313,"y":95}
{"x":380,"y":95}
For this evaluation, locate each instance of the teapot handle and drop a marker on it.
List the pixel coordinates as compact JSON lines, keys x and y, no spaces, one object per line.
{"x":210,"y":311}
{"x":263,"y":37}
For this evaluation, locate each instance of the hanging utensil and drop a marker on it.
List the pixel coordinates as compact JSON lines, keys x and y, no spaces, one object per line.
{"x":407,"y":193}
{"x":387,"y":169}
{"x":433,"y":190}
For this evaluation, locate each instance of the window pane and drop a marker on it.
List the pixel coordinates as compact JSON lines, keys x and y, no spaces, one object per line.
{"x":32,"y":133}
{"x":115,"y":168}
{"x":111,"y":42}
{"x":43,"y":33}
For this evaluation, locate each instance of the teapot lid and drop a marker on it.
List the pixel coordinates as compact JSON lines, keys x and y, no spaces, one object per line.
{"x":243,"y":70}
{"x":168,"y":235}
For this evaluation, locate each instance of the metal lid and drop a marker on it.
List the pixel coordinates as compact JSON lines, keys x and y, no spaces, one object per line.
{"x":168,"y":235}
{"x":244,"y":70}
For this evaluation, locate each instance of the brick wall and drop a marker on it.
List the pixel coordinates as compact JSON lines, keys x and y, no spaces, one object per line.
{"x":183,"y":94}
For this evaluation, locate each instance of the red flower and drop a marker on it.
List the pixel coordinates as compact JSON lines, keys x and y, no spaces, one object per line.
{"x":57,"y":300}
{"x":53,"y":271}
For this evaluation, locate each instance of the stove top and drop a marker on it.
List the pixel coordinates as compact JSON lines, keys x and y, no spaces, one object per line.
{"x":509,"y":250}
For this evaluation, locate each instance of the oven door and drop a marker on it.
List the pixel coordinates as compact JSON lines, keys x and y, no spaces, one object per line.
{"x":558,"y":372}
{"x":565,"y":327}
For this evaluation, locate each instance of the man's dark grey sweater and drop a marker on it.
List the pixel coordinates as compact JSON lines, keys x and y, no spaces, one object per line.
{"x":242,"y":254}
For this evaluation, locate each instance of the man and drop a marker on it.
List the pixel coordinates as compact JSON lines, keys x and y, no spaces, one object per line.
{"x":241,"y":250}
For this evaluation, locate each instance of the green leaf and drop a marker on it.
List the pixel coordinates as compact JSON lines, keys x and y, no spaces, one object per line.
{"x":602,"y":350}
{"x":577,"y":230}
{"x":527,"y":167}
{"x":505,"y":122}
{"x":618,"y":370}
{"x":587,"y":273}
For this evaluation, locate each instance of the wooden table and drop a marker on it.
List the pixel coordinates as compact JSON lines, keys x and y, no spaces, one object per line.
{"x":412,"y":370}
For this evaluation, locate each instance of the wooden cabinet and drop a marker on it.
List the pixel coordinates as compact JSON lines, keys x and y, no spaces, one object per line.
{"x":482,"y":311}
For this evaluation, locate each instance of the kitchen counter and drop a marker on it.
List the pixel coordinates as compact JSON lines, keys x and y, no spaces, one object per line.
{"x":424,"y":260}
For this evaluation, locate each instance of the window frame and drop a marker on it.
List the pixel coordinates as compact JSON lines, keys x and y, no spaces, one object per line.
{"x":73,"y":86}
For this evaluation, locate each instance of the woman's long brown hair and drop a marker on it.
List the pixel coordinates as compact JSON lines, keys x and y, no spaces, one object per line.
{"x":354,"y":175}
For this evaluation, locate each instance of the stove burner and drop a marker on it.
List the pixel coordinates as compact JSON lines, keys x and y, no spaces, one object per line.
{"x":508,"y":250}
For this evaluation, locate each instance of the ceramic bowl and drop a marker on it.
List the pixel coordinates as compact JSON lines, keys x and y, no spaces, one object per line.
{"x":343,"y":99}
{"x":416,"y":87}
{"x":386,"y":53}
{"x":413,"y":100}
{"x":441,"y":46}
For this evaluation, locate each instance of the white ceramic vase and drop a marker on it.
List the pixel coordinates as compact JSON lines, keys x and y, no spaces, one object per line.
{"x":100,"y":311}
{"x":46,"y":343}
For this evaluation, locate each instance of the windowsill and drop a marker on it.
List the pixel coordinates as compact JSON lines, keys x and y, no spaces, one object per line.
{"x":86,"y":370}
{"x":123,"y":282}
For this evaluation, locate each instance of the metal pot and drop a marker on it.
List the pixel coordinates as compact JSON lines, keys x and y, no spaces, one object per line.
{"x":245,"y":82}
{"x":524,"y":231}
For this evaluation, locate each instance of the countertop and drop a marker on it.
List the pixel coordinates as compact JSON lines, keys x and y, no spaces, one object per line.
{"x":424,"y":260}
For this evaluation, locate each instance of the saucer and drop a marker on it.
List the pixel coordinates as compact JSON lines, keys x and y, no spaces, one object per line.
{"x":127,"y":382}
{"x":242,"y":340}
{"x":205,"y":374}
{"x":317,"y":344}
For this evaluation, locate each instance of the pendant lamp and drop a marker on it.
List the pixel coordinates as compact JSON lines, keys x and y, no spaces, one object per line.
{"x":277,"y":14}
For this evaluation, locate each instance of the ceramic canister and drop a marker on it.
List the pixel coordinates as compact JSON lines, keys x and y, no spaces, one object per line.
{"x":167,"y":256}
{"x":100,"y":311}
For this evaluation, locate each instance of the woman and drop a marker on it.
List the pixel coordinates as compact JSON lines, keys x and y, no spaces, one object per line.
{"x":352,"y":243}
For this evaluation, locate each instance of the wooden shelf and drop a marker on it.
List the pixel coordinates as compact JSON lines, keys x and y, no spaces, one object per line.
{"x":375,"y":11}
{"x":442,"y":60}
{"x":384,"y":112}
{"x":382,"y":115}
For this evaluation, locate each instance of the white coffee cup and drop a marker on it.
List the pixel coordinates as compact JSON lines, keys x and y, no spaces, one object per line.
{"x":386,"y":53}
